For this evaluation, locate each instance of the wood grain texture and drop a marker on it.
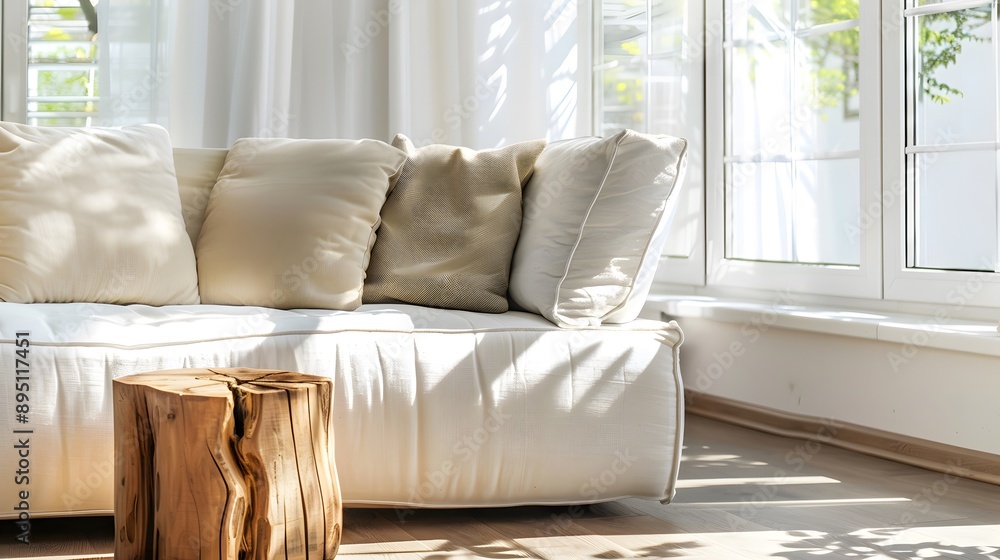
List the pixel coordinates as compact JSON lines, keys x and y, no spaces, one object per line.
{"x":926,"y":454}
{"x":225,"y":463}
{"x":743,"y":494}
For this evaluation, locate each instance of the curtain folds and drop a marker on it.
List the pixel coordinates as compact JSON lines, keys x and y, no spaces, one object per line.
{"x":478,"y":73}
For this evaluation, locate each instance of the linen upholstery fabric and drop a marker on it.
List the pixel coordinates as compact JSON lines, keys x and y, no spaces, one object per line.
{"x":197,"y":171}
{"x":596,"y":214}
{"x":449,"y":228}
{"x":92,"y":215}
{"x":291,"y":223}
{"x":522,"y":411}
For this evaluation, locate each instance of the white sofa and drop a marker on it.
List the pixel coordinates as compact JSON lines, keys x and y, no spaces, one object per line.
{"x":433,"y":407}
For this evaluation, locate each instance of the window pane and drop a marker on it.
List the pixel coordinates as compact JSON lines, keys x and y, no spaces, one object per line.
{"x":802,"y":212}
{"x":62,"y":62}
{"x":758,"y":99}
{"x":826,"y":212}
{"x":623,"y":97}
{"x":669,"y":19}
{"x":793,"y":120}
{"x":759,"y":20}
{"x":670,"y":112}
{"x":956,"y":210}
{"x":812,"y":12}
{"x":956,"y":83}
{"x":623,"y":75}
{"x":53,"y":83}
{"x":827,"y":102}
{"x":761,"y":211}
{"x":910,"y":3}
{"x":667,"y":100}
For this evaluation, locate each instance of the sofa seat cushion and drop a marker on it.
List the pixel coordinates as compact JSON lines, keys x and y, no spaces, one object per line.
{"x":432,"y":407}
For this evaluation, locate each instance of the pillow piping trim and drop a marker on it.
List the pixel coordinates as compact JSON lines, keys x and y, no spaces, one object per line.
{"x":649,"y":239}
{"x":579,"y":237}
{"x":652,"y":232}
{"x":373,"y":234}
{"x":366,"y":260}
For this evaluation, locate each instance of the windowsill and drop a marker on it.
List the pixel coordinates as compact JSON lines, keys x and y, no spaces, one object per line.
{"x":943,"y":332}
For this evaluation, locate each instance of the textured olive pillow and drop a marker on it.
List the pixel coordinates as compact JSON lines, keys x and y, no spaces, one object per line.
{"x":290,"y":223}
{"x":449,"y":227}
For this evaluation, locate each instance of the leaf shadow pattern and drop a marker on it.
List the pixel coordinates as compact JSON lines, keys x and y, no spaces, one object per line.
{"x":664,"y":550}
{"x":499,"y":551}
{"x":492,"y":550}
{"x":884,"y":543}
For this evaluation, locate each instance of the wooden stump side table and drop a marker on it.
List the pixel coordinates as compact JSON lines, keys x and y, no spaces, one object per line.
{"x":225,"y":464}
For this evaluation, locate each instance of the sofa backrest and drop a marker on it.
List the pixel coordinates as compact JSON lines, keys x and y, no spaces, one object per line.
{"x":197,"y":170}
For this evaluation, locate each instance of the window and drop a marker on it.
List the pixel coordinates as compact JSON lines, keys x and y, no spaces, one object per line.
{"x":793,"y":126}
{"x":941,"y":175}
{"x":852,"y":147}
{"x":792,"y":119}
{"x":951,"y":143}
{"x":50,"y":62}
{"x":649,"y":76}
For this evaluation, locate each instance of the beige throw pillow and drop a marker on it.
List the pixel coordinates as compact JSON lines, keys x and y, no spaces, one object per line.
{"x":291,"y":223}
{"x":449,"y":228}
{"x":596,"y":216}
{"x":92,"y":215}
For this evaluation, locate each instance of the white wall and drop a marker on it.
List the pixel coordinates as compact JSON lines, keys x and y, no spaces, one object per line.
{"x":940,"y":395}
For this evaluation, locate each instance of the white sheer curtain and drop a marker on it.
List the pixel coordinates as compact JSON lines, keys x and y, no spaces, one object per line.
{"x":478,"y":73}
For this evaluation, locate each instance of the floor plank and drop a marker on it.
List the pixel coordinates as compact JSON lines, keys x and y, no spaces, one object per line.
{"x":742,"y":495}
{"x":557,"y":536}
{"x":367,"y":534}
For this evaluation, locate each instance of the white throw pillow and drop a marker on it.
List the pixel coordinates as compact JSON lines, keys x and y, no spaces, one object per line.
{"x":291,"y":223}
{"x":596,"y":213}
{"x":92,"y":215}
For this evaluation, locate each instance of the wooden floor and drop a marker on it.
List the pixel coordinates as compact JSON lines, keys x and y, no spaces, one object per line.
{"x":742,"y":494}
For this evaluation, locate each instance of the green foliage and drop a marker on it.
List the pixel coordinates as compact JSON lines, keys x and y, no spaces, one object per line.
{"x":940,"y":39}
{"x":834,"y":56}
{"x":63,"y":42}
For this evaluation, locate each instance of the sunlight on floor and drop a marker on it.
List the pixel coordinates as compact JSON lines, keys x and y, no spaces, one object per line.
{"x":763,"y":481}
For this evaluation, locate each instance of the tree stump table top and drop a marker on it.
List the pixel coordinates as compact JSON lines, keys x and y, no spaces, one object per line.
{"x":225,"y":463}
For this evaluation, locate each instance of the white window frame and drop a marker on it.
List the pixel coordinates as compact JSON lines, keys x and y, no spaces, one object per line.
{"x":902,"y":282}
{"x":14,"y":61}
{"x":864,"y":281}
{"x":690,"y":269}
{"x":675,"y":269}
